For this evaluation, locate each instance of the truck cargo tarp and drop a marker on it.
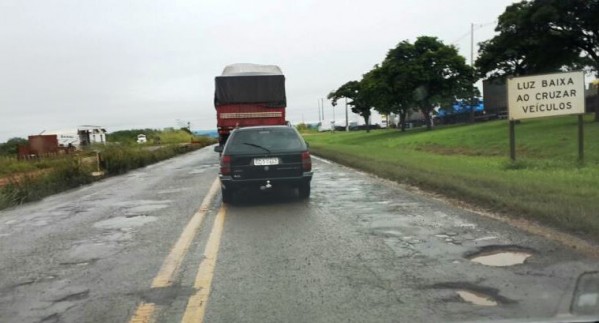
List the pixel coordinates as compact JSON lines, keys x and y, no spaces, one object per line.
{"x":236,"y":89}
{"x":251,"y":69}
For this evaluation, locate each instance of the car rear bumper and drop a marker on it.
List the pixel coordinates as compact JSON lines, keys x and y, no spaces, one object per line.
{"x":229,"y":183}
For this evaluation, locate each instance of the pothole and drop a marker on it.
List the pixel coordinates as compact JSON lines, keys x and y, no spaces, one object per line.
{"x":476,"y":298}
{"x":164,"y":295}
{"x":74,"y":296}
{"x":124,"y":222}
{"x":80,"y":263}
{"x":500,"y":256}
{"x":475,"y":294}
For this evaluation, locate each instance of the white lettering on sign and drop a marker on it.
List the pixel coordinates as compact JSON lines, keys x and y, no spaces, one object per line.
{"x":546,"y":95}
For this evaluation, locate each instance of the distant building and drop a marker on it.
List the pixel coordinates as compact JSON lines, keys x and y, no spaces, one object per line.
{"x":495,"y":97}
{"x":79,"y":137}
{"x":141,"y":139}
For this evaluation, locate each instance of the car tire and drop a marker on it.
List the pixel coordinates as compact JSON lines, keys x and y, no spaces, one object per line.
{"x":227,"y":195}
{"x":304,"y":191}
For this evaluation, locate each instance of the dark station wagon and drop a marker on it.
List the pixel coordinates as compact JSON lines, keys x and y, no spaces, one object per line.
{"x":265,"y":158}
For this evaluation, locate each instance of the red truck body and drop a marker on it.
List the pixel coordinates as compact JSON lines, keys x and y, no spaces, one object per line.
{"x":249,"y":95}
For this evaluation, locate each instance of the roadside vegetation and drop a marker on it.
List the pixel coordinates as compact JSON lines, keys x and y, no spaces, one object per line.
{"x":419,"y":79}
{"x":30,"y":180}
{"x":471,"y":163}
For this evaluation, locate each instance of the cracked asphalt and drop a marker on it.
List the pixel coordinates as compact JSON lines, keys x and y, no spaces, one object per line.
{"x":362,"y":249}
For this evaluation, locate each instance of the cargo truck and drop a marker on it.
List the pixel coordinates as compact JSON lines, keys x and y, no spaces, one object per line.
{"x":248,"y":95}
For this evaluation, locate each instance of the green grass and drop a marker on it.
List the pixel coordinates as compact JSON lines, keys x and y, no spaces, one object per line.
{"x":25,"y":181}
{"x":547,"y":183}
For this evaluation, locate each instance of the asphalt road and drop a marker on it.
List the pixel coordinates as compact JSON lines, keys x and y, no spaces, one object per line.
{"x":157,"y":244}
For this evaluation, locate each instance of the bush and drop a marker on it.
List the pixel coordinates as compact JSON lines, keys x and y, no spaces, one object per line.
{"x":32,"y":181}
{"x":69,"y":173}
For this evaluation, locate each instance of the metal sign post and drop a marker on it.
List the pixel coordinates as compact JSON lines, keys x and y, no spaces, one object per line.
{"x":512,"y":140}
{"x":580,"y":138}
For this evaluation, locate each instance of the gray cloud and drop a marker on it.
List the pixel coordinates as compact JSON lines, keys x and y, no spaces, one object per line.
{"x":127,"y":64}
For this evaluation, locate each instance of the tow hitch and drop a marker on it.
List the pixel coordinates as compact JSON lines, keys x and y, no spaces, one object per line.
{"x":265,"y":187}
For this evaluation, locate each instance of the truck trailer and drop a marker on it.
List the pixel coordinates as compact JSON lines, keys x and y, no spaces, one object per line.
{"x":249,"y":95}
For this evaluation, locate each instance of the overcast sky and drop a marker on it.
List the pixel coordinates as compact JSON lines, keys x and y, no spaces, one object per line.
{"x":151,"y":64}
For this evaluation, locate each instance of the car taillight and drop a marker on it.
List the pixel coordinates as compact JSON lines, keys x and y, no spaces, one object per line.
{"x":225,"y":165}
{"x":306,"y":161}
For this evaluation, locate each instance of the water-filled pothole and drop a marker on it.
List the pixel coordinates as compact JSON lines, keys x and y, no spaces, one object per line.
{"x":475,"y":294}
{"x":500,"y":256}
{"x":476,"y":298}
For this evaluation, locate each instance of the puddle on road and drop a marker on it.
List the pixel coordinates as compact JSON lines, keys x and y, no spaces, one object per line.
{"x":476,"y":298}
{"x":475,"y":294}
{"x":146,"y":208}
{"x":486,"y":238}
{"x":173,"y":190}
{"x":502,"y":258}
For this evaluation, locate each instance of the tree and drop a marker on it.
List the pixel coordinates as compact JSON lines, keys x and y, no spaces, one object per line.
{"x":11,"y":146}
{"x":543,"y":36}
{"x":392,"y":89}
{"x":427,"y":74}
{"x":526,"y":44}
{"x":576,"y":20}
{"x":360,"y":101}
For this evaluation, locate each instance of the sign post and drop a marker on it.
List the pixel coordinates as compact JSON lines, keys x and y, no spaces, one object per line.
{"x":580,"y":138}
{"x":512,"y":140}
{"x":546,"y":95}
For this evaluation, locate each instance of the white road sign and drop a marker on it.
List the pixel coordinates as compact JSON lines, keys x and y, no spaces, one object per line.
{"x":546,"y":95}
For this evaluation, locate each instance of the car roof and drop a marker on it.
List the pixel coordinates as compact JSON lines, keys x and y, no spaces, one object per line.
{"x":262,"y":127}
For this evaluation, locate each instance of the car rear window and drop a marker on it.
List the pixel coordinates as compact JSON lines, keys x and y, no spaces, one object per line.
{"x":264,"y":140}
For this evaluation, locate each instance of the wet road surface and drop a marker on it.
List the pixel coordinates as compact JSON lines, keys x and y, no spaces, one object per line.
{"x":158,"y":244}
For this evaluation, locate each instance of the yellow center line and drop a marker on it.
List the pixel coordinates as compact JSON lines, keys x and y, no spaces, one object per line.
{"x":173,"y":261}
{"x":144,"y":313}
{"x":196,"y":306}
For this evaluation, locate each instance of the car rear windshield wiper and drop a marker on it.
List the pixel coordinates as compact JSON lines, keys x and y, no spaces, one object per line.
{"x":257,"y":146}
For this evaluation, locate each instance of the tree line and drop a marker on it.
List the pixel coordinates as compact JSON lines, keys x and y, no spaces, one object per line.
{"x":533,"y":37}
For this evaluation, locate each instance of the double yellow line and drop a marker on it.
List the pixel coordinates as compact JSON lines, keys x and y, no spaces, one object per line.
{"x":196,"y":306}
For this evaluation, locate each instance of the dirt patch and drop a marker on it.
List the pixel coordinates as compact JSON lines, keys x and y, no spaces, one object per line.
{"x":20,"y":177}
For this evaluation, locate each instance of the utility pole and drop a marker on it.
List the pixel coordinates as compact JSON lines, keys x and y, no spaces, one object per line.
{"x":472,"y":44}
{"x":322,"y":105}
{"x":333,"y":113}
{"x":333,"y":122}
{"x":318,"y":104}
{"x":472,"y":65}
{"x":346,"y":117}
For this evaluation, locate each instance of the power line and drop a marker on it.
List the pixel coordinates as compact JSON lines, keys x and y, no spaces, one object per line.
{"x":476,"y":27}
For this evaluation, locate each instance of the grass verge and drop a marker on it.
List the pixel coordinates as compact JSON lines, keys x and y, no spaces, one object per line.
{"x":36,"y":180}
{"x":547,"y":184}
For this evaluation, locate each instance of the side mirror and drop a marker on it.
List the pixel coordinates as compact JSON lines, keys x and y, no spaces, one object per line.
{"x":218,"y":149}
{"x":586,"y":295}
{"x":307,"y":144}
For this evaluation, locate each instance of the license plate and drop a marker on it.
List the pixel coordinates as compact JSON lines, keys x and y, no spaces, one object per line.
{"x":266,"y":161}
